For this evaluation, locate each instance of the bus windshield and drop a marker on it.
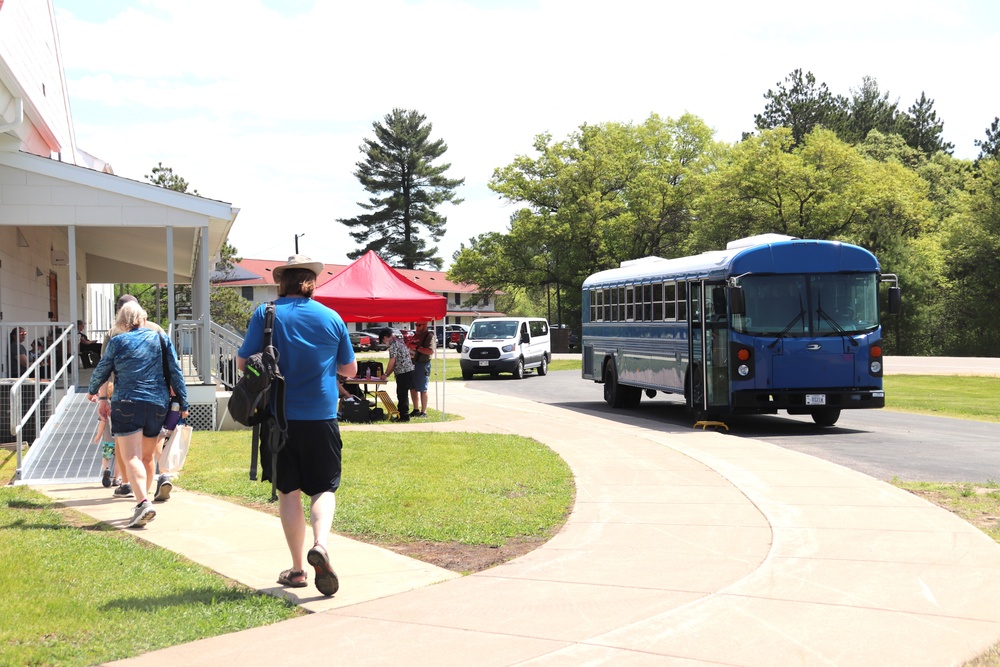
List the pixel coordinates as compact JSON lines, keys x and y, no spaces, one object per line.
{"x":809,"y":304}
{"x":493,"y":330}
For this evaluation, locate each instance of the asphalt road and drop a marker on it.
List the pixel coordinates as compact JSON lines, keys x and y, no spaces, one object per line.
{"x":879,"y":443}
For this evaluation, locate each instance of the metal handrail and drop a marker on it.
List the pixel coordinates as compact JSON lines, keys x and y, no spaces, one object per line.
{"x":50,"y":357}
{"x":225,"y":346}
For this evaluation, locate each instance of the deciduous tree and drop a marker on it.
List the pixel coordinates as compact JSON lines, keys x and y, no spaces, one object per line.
{"x":608,"y":192}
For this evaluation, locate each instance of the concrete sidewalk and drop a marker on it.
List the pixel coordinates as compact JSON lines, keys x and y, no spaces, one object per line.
{"x":692,"y":549}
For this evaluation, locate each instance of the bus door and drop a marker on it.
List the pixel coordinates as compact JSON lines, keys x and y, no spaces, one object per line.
{"x":708,"y":336}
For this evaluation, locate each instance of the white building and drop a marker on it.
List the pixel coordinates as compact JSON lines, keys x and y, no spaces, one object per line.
{"x":68,"y":226}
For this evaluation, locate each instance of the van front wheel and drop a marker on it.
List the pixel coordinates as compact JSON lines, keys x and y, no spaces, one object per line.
{"x":518,"y":373}
{"x":544,"y":367}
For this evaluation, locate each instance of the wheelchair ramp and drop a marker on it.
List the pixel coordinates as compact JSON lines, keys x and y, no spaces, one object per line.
{"x":64,"y":453}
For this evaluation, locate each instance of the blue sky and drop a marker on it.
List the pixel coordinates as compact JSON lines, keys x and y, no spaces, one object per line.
{"x":264,"y":103}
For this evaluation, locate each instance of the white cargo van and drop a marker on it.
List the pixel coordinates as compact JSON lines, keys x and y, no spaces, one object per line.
{"x":497,"y":345}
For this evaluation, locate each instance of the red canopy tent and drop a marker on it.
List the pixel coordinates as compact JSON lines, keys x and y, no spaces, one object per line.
{"x":369,"y":290}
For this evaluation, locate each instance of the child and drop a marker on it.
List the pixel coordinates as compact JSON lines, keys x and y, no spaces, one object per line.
{"x":104,"y":438}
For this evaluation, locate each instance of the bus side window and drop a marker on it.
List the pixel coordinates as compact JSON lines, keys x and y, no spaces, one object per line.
{"x":719,"y":303}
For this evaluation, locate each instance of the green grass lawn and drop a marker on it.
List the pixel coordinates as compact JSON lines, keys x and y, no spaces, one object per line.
{"x":399,"y":487}
{"x":78,"y":592}
{"x":965,"y":397}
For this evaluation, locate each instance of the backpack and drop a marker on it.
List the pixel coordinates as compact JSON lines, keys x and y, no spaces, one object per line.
{"x":250,"y":402}
{"x":250,"y":405}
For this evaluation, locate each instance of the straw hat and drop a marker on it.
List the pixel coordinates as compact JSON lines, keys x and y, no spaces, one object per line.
{"x":297,"y":262}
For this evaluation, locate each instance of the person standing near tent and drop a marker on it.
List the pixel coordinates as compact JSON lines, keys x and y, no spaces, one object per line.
{"x":422,"y":348}
{"x":313,"y":347}
{"x":401,"y":365}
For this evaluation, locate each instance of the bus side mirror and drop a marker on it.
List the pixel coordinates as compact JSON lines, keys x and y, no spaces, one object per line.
{"x":895,"y":301}
{"x":737,"y":301}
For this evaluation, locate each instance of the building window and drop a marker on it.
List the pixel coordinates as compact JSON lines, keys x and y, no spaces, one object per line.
{"x":458,"y":298}
{"x":247,"y":293}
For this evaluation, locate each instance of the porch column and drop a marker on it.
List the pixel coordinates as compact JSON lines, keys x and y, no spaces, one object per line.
{"x":170,"y":276}
{"x":200,"y":281}
{"x":73,"y":310}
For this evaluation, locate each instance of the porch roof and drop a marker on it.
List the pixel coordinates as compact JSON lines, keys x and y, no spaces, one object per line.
{"x":120,"y":223}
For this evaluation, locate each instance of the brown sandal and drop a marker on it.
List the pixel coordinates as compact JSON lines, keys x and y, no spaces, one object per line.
{"x":326,"y":579}
{"x":293,"y":578}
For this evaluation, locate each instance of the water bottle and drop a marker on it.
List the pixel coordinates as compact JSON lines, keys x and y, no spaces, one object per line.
{"x":368,"y":372}
{"x":173,"y":417}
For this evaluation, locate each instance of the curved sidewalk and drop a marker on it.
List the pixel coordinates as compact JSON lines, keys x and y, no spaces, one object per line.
{"x":690,"y":549}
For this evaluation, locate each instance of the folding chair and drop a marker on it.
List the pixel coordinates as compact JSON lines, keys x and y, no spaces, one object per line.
{"x":390,"y":406}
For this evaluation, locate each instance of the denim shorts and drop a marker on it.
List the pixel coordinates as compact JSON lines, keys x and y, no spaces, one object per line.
{"x":130,"y":417}
{"x":421,"y":376}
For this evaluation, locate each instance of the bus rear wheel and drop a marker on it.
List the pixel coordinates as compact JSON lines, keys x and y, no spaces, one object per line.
{"x":826,"y":416}
{"x":617,"y":395}
{"x":612,"y":390}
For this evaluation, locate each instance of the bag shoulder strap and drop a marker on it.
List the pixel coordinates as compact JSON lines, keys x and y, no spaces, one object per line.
{"x":271,"y":355}
{"x":268,"y":323}
{"x":163,"y":357}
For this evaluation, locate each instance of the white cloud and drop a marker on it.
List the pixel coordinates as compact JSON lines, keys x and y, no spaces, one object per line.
{"x":266,"y":109}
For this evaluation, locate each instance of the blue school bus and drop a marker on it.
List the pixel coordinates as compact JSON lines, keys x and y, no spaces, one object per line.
{"x":770,"y":323}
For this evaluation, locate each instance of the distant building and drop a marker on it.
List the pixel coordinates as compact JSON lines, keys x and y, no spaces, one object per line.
{"x":253,"y":278}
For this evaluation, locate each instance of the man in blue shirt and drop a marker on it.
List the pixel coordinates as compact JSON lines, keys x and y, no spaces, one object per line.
{"x":313,"y":347}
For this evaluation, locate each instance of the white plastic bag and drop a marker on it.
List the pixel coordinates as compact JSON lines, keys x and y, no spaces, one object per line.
{"x":175,"y":449}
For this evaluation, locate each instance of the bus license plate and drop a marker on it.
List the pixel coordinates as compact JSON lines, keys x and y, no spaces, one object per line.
{"x":484,"y":363}
{"x":815,"y":399}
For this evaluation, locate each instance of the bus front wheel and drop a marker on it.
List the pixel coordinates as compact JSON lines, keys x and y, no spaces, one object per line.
{"x":826,"y":416}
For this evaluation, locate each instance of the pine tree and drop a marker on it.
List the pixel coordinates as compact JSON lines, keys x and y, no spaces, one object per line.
{"x":406,"y":189}
{"x":800,"y":104}
{"x":990,"y":147}
{"x":922,"y":129}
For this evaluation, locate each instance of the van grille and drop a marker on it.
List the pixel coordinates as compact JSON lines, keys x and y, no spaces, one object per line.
{"x":484,"y":353}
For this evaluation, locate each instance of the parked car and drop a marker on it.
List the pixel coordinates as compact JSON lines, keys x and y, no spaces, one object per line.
{"x":455,"y":333}
{"x":361,"y":341}
{"x":376,"y":345}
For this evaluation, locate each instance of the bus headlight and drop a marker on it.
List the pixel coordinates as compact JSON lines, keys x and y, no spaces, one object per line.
{"x":876,"y":367}
{"x":743,"y":370}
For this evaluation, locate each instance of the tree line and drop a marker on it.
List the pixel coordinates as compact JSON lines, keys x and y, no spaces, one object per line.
{"x":853,"y":168}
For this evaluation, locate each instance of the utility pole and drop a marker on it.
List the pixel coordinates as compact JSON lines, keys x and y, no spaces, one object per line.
{"x":297,"y":236}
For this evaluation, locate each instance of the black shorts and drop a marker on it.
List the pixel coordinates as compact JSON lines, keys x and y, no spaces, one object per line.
{"x":310,"y":459}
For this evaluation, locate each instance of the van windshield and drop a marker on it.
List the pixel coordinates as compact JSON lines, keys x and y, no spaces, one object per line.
{"x":492,"y":330}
